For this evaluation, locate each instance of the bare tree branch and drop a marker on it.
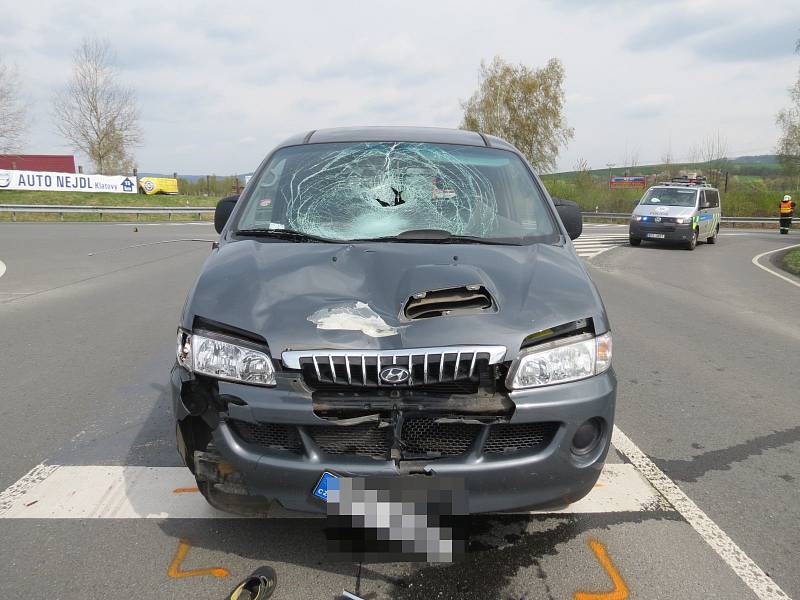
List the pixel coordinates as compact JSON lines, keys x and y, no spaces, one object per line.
{"x":99,"y":116}
{"x":788,"y":120}
{"x":13,"y":113}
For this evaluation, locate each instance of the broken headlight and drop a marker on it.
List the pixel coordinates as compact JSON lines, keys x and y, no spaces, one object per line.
{"x":564,"y":360}
{"x":224,"y":358}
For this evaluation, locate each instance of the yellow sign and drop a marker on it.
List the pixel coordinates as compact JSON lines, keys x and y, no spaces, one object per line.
{"x":158,"y":185}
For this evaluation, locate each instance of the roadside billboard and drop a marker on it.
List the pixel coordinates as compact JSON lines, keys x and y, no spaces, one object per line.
{"x":632,"y":181}
{"x":158,"y":185}
{"x":66,"y":182}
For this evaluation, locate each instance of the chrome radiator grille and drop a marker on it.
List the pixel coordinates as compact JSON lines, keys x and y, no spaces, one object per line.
{"x":425,"y":366}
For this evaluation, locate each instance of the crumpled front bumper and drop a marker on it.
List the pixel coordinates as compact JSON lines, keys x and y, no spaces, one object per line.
{"x":552,"y":476}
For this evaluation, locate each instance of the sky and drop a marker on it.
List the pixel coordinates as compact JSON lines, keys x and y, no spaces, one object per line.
{"x":219,"y":84}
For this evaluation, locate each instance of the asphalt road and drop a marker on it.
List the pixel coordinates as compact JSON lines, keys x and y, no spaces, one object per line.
{"x":706,"y":351}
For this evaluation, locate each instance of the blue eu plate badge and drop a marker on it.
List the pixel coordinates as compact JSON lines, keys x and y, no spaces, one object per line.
{"x":327,"y":482}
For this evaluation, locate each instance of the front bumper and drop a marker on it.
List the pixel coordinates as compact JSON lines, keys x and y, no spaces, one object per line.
{"x":549,"y":476}
{"x":672,"y":232}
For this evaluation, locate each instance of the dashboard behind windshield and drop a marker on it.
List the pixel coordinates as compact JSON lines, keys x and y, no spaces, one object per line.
{"x":370,"y":190}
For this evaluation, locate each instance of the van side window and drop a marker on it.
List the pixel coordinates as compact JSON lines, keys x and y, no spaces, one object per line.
{"x":713,"y":198}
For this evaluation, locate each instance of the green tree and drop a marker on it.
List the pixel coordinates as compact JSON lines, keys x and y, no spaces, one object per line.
{"x":788,"y":121}
{"x":523,"y":106}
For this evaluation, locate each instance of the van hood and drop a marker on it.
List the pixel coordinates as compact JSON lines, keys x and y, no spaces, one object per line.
{"x":351,"y":296}
{"x":656,"y":210}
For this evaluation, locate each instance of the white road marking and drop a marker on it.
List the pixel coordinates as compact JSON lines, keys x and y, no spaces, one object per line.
{"x":768,"y":270}
{"x":749,"y":572}
{"x":127,"y":492}
{"x":12,"y":494}
{"x":2,"y":268}
{"x":591,"y":244}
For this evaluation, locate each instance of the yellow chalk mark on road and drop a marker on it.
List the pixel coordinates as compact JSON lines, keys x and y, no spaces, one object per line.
{"x":185,"y":490}
{"x":620,"y":591}
{"x":175,"y":572}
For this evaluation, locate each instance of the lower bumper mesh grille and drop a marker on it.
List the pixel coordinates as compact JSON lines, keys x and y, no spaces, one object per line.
{"x":275,"y":436}
{"x":423,"y":435}
{"x":366,"y":439}
{"x":512,"y":437}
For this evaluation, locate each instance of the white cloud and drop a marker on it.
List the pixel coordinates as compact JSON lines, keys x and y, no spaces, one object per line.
{"x":218,"y":87}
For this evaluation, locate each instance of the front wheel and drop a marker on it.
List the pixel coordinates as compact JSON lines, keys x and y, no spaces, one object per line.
{"x":692,"y":243}
{"x":635,"y":241}
{"x":713,"y":238}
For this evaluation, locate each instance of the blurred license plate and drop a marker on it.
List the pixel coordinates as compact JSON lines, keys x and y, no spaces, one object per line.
{"x":659,"y":236}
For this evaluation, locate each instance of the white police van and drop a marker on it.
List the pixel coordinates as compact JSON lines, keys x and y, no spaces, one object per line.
{"x":684,"y":210}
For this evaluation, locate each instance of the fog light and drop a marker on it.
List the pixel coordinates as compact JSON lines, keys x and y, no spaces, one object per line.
{"x":587,"y":436}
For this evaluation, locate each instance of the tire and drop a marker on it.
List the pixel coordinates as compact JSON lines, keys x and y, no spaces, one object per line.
{"x":713,"y":238}
{"x":692,"y":243}
{"x":635,"y":241}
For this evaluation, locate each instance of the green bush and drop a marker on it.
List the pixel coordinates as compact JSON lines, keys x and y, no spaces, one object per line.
{"x":752,"y":198}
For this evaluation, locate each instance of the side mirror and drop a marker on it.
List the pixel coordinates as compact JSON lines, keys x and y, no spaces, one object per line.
{"x":570,"y":216}
{"x":223,"y":212}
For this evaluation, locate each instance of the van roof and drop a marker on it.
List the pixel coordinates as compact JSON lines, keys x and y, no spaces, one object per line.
{"x":433,"y":135}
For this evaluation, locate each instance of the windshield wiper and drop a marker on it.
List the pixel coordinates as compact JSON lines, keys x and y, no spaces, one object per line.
{"x":283,"y":234}
{"x":438,"y":235}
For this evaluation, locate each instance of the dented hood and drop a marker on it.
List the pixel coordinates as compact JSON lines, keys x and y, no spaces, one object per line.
{"x":351,"y":296}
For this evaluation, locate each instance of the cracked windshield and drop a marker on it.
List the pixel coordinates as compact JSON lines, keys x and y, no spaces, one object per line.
{"x":377,"y":190}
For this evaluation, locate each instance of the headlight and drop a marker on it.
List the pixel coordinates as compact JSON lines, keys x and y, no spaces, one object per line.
{"x":637,"y":218}
{"x":561,"y":361}
{"x":224,"y":358}
{"x":682,"y":220}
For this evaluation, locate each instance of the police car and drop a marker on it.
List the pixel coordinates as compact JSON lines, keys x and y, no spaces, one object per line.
{"x":684,"y":210}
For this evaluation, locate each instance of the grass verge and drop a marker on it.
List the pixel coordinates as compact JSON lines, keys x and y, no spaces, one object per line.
{"x":791,"y":261}
{"x":102,"y":199}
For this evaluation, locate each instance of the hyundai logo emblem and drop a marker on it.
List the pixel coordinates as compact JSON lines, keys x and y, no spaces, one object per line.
{"x":394,"y":375}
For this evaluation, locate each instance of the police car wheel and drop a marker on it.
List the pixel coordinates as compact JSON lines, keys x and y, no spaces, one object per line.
{"x":713,"y":238}
{"x":692,"y":243}
{"x":635,"y":241}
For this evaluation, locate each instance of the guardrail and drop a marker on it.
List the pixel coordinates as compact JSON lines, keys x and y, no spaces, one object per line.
{"x":101,"y":210}
{"x":201,"y":210}
{"x":626,"y":216}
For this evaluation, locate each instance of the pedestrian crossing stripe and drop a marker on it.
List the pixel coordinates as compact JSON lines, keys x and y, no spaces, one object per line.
{"x":590,"y":244}
{"x":135,"y":492}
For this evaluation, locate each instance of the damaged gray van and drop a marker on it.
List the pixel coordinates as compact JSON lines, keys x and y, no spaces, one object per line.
{"x":398,"y":303}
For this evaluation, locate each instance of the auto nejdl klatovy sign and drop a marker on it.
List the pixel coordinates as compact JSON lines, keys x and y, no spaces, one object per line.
{"x":66,"y":182}
{"x":632,"y":181}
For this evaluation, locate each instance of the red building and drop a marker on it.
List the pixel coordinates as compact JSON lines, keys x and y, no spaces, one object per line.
{"x":59,"y":163}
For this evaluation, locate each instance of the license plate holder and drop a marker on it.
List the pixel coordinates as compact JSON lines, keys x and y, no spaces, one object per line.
{"x":657,"y":236}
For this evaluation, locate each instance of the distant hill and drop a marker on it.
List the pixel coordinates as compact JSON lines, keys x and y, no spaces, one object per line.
{"x":763,"y":164}
{"x":761,"y":159}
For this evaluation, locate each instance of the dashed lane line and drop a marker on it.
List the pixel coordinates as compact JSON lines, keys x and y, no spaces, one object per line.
{"x":767,"y":269}
{"x":2,"y":268}
{"x":134,"y":492}
{"x":748,"y":571}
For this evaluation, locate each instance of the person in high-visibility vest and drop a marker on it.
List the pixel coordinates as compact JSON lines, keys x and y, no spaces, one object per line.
{"x":787,"y":211}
